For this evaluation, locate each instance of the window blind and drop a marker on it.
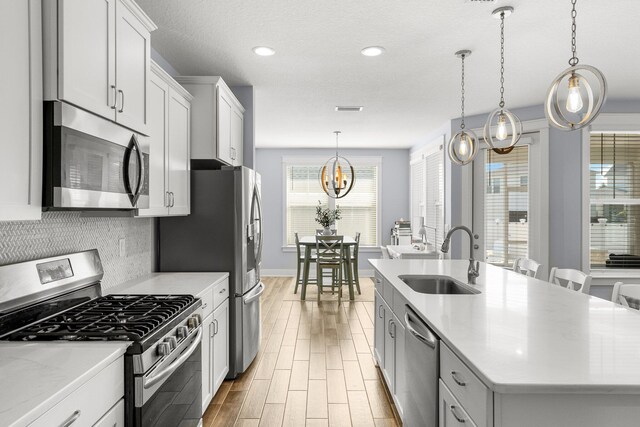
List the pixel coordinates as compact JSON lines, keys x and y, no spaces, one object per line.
{"x":417,"y":195}
{"x":359,"y":208}
{"x":614,"y":191}
{"x":303,"y":191}
{"x":434,"y":197}
{"x":506,"y":206}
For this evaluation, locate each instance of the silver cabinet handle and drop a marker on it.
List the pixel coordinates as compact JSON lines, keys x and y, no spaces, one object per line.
{"x":380,"y":307}
{"x":461,"y":420}
{"x":166,"y":199}
{"x":72,"y":419}
{"x":455,"y":378}
{"x":223,"y":291}
{"x":115,"y":97}
{"x":215,"y":322}
{"x":121,"y":101}
{"x":173,"y":199}
{"x":204,"y":305}
{"x":211,"y":330}
{"x":391,"y":324}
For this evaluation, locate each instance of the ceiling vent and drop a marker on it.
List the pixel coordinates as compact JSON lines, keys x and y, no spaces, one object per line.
{"x":352,"y":109}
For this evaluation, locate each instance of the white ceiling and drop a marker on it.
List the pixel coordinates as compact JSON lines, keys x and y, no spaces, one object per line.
{"x":410,"y":90}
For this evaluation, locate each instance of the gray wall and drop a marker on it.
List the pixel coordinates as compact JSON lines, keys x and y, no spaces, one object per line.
{"x":65,"y":232}
{"x":163,"y":63}
{"x":394,"y":201}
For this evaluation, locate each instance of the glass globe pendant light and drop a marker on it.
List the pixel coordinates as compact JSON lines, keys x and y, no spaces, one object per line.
{"x":508,"y":126}
{"x":463,"y":146}
{"x":337,"y":176}
{"x":573,"y":114}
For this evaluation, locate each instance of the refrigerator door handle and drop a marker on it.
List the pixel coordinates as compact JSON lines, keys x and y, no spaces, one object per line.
{"x":256,"y":194}
{"x":251,"y":298}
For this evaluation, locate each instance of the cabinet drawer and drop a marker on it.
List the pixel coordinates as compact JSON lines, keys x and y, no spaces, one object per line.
{"x":208,"y":302}
{"x":82,"y":405}
{"x":474,"y":396}
{"x":113,"y":418}
{"x":450,"y":412}
{"x":220,"y":293}
{"x":377,"y":280}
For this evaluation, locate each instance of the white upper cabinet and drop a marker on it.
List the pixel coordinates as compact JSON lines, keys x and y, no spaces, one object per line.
{"x":21,"y":110}
{"x":97,"y":57}
{"x":168,"y":146}
{"x":217,"y":120}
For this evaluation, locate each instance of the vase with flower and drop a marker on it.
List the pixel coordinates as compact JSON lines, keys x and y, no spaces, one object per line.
{"x":327,"y":217}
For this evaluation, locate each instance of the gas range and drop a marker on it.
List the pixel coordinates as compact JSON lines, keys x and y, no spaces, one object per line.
{"x":59,"y":299}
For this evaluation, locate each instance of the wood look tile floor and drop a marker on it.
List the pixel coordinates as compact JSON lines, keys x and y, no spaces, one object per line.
{"x":315,"y":366}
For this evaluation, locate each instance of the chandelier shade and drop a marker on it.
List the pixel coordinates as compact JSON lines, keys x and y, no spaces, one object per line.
{"x":565,"y":105}
{"x":337,"y":175}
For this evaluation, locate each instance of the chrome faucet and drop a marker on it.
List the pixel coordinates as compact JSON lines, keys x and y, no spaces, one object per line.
{"x":474,"y":266}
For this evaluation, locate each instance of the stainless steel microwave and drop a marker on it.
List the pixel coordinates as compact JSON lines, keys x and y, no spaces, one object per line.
{"x":91,"y":163}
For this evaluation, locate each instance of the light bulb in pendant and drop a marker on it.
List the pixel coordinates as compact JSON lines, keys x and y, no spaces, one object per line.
{"x":501,"y":132}
{"x":574,"y":99}
{"x":463,"y":148}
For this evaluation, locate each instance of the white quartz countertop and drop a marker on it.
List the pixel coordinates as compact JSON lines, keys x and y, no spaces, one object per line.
{"x":36,"y":376}
{"x":169,"y":283}
{"x":523,"y":335}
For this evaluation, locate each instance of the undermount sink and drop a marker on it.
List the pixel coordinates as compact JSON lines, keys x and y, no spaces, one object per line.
{"x":437,"y":285}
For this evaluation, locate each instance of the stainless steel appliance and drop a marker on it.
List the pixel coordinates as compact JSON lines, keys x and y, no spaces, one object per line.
{"x":92,"y":163}
{"x":422,"y":349}
{"x":223,"y":233}
{"x":59,"y":298}
{"x":401,"y":233}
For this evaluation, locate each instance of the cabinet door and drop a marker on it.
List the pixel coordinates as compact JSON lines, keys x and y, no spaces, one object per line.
{"x":450,"y":413}
{"x":379,"y":330}
{"x":390,"y":350}
{"x":156,"y":143}
{"x":113,"y":418}
{"x":86,"y":55}
{"x":178,"y":152}
{"x":21,"y":110}
{"x":220,"y":344}
{"x":132,"y":70}
{"x":224,"y":126}
{"x":236,"y":136}
{"x":207,"y":361}
{"x":400,"y":394}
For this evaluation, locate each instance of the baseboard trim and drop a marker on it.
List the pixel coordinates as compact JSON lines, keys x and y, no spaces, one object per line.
{"x":283,"y":272}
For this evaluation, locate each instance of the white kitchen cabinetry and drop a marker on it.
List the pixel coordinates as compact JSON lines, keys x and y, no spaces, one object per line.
{"x":97,"y":57}
{"x":450,"y":412}
{"x":83,"y":408}
{"x":379,"y":330}
{"x":215,"y":342}
{"x":217,"y":120}
{"x":21,"y":110}
{"x":168,"y":144}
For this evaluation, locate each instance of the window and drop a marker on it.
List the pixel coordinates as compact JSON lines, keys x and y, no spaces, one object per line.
{"x":427,"y":195}
{"x":614,"y":198}
{"x":359,"y":208}
{"x":506,"y":206}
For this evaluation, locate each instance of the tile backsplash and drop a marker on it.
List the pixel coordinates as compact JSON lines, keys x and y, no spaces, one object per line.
{"x":64,"y":232}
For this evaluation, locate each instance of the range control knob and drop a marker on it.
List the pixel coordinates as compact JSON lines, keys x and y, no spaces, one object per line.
{"x":193,"y":322}
{"x":163,"y":349}
{"x":182,"y":332}
{"x":172,"y":341}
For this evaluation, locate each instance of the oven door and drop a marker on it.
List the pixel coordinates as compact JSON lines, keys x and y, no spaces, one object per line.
{"x":170,"y":394}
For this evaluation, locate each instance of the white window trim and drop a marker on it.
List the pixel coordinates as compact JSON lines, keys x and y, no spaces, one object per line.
{"x":320,"y":160}
{"x":606,"y":122}
{"x":437,"y":145}
{"x":538,"y":182}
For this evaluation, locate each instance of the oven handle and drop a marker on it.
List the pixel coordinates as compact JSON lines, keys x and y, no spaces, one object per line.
{"x":154,"y":379}
{"x":249,"y":299}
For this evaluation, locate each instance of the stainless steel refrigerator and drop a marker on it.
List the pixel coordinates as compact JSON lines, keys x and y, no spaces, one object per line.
{"x":223,"y":233}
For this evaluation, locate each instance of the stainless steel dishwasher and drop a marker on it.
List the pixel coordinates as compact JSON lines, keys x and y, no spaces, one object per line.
{"x":422,"y":348}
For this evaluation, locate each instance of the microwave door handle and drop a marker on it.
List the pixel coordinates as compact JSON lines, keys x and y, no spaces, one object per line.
{"x":141,"y":171}
{"x":134,"y":194}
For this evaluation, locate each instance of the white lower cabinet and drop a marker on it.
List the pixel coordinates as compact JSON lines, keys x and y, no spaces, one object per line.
{"x":91,"y":402}
{"x":168,"y":145}
{"x":215,"y":341}
{"x":451,"y":413}
{"x":379,"y":330}
{"x":113,"y":418}
{"x":220,"y":344}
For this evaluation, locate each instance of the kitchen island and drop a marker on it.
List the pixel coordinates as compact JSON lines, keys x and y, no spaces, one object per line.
{"x":529,"y":353}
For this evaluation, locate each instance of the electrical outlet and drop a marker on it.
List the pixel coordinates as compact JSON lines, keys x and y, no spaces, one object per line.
{"x":123,"y":247}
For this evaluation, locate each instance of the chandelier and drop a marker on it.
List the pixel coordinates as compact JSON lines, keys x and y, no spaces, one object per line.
{"x":463,"y":146}
{"x":337,"y":176}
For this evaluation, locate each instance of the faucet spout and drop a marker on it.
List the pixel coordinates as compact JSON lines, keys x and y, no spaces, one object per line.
{"x":474,"y":266}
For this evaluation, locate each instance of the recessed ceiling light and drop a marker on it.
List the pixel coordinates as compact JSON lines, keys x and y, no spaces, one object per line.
{"x":263,"y":51}
{"x":372,"y":51}
{"x":349,"y":109}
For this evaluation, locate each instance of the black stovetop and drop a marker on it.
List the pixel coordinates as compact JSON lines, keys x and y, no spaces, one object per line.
{"x":113,"y":317}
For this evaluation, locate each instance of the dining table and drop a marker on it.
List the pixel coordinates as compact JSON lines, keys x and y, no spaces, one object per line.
{"x":309,"y":243}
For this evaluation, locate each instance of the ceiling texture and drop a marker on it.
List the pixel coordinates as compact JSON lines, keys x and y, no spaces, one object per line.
{"x":410,"y":90}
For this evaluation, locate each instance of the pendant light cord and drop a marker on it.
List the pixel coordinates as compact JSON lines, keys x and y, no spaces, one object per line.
{"x":337,"y":133}
{"x":574,"y":59}
{"x":502,"y":60}
{"x":462,"y":87}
